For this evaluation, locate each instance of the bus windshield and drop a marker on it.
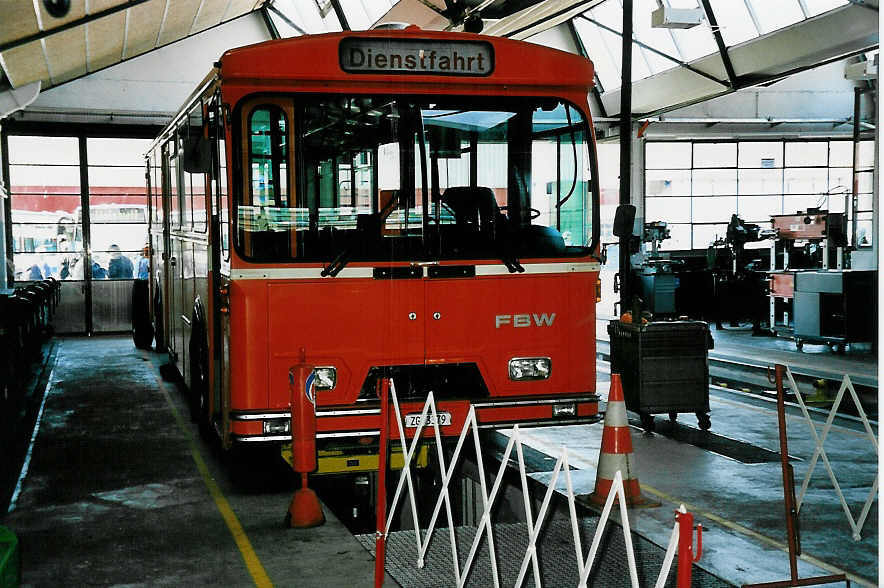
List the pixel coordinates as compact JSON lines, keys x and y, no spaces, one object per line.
{"x":334,"y":178}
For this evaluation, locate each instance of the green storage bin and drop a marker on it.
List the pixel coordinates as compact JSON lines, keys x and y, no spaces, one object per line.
{"x":10,"y":559}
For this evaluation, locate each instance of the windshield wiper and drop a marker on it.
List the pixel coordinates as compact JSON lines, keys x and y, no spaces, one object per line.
{"x":505,"y":248}
{"x":367,"y":225}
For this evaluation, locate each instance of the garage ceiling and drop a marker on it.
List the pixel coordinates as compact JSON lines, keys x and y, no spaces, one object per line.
{"x":94,"y":34}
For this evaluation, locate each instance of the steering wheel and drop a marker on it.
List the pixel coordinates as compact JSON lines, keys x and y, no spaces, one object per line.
{"x":534,"y":212}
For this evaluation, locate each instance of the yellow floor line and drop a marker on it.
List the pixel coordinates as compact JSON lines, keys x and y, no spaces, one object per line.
{"x":576,"y":460}
{"x":257,"y":571}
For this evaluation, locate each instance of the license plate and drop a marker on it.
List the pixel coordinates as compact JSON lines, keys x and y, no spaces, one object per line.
{"x":413,"y":420}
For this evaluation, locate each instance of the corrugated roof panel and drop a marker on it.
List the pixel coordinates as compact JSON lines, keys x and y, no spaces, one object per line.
{"x":18,"y":21}
{"x":99,"y":5}
{"x":179,"y":20}
{"x":26,"y":64}
{"x":67,"y":55}
{"x":105,"y":40}
{"x":143,"y":25}
{"x":209,"y":15}
{"x":76,"y":12}
{"x":776,"y":15}
{"x":240,"y":7}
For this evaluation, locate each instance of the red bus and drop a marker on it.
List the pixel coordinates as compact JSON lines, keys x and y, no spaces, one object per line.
{"x":408,"y":203}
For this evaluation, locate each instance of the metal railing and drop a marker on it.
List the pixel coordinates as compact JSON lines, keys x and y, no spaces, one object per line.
{"x":819,"y":452}
{"x":485,"y":529}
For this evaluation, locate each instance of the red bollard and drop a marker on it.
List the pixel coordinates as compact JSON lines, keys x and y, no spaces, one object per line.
{"x":686,"y":547}
{"x":304,"y":510}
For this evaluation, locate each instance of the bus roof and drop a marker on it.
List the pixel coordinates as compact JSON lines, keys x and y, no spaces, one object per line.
{"x":318,"y":58}
{"x":325,"y":57}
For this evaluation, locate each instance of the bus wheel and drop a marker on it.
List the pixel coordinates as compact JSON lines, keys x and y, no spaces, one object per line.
{"x":198,"y":396}
{"x":142,"y":329}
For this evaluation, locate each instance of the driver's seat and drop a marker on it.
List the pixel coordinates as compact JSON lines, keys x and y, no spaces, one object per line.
{"x":475,"y":208}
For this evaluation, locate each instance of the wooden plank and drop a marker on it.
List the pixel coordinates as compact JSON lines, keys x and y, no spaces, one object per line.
{"x":179,"y":20}
{"x":238,"y":8}
{"x":26,"y":64}
{"x":143,"y":25}
{"x":210,"y":14}
{"x":49,"y":22}
{"x":67,"y":55}
{"x":19,"y":20}
{"x":105,"y":41}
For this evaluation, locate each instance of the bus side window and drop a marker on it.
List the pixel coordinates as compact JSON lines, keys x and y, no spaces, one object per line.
{"x":223,"y":195}
{"x":268,"y":157}
{"x":174,"y":200}
{"x":266,"y":216}
{"x":181,"y":179}
{"x":196,"y":182}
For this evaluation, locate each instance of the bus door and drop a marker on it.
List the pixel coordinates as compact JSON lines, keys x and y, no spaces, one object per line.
{"x":217,"y":233}
{"x":174,"y":258}
{"x":165,"y":273}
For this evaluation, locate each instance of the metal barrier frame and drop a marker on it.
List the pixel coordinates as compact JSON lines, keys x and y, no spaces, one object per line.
{"x":856,"y":525}
{"x":485,"y":527}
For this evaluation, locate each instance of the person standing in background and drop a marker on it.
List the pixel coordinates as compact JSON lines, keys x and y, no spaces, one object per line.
{"x":119,"y":267}
{"x":143,"y":272}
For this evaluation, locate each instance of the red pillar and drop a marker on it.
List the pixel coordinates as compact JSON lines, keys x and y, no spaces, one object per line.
{"x":305,"y":509}
{"x":686,"y":547}
{"x":381,"y":527}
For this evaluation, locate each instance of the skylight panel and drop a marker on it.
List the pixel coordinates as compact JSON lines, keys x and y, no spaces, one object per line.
{"x":815,"y":7}
{"x":659,"y":39}
{"x":609,"y":13}
{"x":695,"y":42}
{"x":776,"y":14}
{"x":597,"y":46}
{"x":356,"y":15}
{"x":310,"y":16}
{"x":734,"y":21}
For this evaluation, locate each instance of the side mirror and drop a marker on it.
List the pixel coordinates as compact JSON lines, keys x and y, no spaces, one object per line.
{"x":624,"y":219}
{"x":197,"y":158}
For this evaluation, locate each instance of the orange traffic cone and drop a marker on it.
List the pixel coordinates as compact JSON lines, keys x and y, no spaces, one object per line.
{"x":616,"y":451}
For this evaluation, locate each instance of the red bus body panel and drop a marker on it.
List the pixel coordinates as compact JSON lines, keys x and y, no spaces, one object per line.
{"x":357,"y":323}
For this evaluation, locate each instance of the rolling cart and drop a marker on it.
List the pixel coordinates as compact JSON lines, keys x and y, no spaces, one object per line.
{"x":664,"y":368}
{"x":835,"y":307}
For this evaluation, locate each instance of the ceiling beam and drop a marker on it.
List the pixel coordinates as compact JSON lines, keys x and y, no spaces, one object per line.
{"x":597,"y":85}
{"x":662,"y":54}
{"x":342,"y":17}
{"x":268,"y":22}
{"x":285,"y":19}
{"x":719,"y":40}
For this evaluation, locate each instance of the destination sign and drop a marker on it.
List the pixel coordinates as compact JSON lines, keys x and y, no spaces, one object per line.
{"x":416,"y":56}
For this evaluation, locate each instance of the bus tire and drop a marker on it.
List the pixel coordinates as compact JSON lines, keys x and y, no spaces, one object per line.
{"x":198,"y":394}
{"x":142,"y":328}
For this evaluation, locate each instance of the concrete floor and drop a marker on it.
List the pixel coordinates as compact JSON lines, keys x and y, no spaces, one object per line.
{"x":120,"y":490}
{"x":740,"y":505}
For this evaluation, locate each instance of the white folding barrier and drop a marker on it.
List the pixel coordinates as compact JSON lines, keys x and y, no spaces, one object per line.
{"x":856,"y":525}
{"x":485,"y":527}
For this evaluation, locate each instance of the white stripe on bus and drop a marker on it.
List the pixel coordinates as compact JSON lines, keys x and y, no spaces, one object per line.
{"x":295,"y":273}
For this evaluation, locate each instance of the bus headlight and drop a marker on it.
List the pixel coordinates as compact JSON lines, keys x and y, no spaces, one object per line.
{"x":326,"y":378}
{"x":277,"y":426}
{"x":568,"y":409}
{"x":529,"y":368}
